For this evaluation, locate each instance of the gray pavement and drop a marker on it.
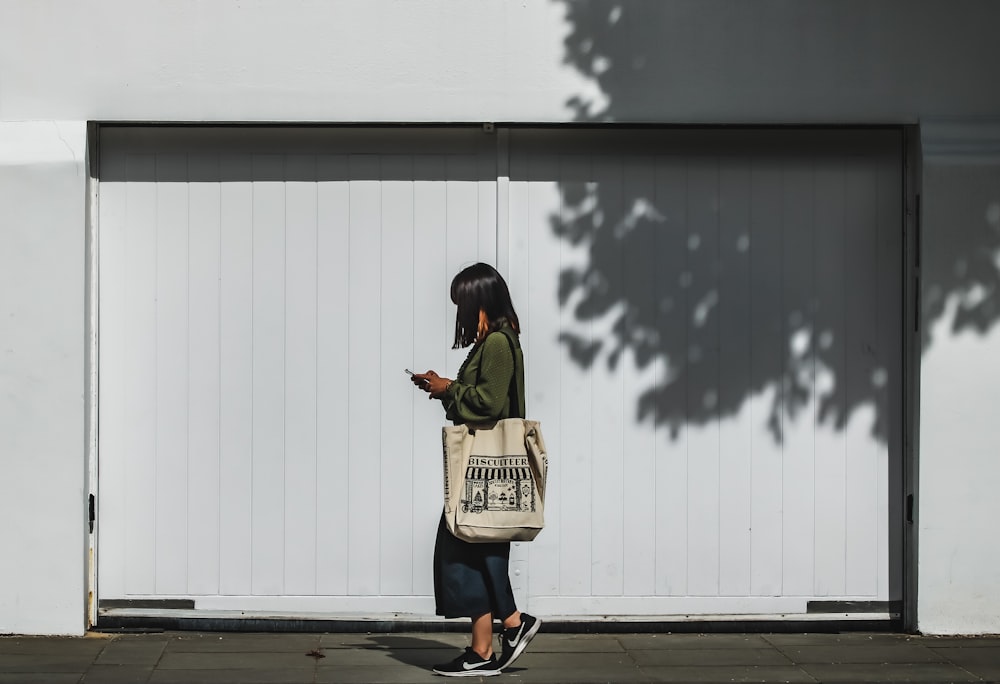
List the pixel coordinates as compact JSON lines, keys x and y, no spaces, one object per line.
{"x":195,"y":657}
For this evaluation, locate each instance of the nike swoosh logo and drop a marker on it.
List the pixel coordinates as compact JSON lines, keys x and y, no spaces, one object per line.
{"x":473,"y":666}
{"x":513,"y":643}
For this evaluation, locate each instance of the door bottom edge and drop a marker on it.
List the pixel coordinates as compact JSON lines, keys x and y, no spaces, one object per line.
{"x":118,"y":620}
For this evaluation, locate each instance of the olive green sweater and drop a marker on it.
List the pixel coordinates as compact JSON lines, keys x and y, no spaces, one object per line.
{"x":481,"y":391}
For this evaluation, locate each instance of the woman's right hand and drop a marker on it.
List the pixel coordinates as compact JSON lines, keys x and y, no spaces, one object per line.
{"x":431,"y":382}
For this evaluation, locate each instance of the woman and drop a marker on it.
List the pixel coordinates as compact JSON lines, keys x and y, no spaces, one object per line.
{"x":471,"y":580}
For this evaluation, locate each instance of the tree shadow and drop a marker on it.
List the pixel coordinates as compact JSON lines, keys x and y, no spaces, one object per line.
{"x":776,"y":273}
{"x":961,"y":265}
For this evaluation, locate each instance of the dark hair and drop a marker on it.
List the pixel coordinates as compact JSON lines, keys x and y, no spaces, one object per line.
{"x":480,"y":287}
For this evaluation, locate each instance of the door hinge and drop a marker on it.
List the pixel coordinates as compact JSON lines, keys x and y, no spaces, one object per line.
{"x":93,"y":508}
{"x":909,"y":509}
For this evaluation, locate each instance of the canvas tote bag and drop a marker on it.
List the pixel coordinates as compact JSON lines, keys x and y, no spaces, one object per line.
{"x":494,"y":478}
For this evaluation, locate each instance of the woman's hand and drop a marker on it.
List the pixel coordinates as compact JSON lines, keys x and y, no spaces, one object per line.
{"x":432,"y":383}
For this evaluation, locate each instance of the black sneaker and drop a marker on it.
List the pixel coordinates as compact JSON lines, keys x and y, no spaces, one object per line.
{"x":469,"y":664}
{"x":513,"y":641}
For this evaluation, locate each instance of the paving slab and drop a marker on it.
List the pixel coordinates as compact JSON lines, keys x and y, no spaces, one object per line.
{"x":76,"y":646}
{"x":847,"y":639}
{"x":39,"y":678}
{"x":570,"y":676}
{"x":861,"y":654}
{"x":243,"y":643}
{"x":423,"y":659}
{"x":581,"y":668}
{"x":730,"y":674}
{"x":987,"y":673}
{"x":453,"y":642}
{"x":706,"y":641}
{"x":874,"y":673}
{"x":272,"y":676}
{"x":573,"y":643}
{"x":983,"y":661}
{"x":235,"y":661}
{"x":397,"y":675}
{"x":713,"y":657}
{"x":117,"y":674}
{"x":970,"y":656}
{"x":383,"y":657}
{"x":44,"y":662}
{"x":132,"y":652}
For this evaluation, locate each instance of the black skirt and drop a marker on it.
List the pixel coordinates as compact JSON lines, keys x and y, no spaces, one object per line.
{"x":471,"y":579}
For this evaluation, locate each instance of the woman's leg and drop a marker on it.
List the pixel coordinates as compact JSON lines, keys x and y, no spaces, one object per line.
{"x":482,"y":635}
{"x":513,"y":621}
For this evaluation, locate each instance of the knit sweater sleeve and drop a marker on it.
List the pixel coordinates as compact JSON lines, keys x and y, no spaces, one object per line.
{"x":483,"y":396}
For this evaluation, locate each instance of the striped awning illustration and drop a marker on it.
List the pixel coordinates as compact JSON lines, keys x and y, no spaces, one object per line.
{"x":497,"y":474}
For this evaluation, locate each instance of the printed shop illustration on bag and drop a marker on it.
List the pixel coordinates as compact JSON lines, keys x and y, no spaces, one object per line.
{"x":498,"y":484}
{"x":494,"y":480}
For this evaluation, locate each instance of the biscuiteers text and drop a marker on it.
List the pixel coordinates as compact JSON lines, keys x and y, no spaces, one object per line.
{"x":498,"y":462}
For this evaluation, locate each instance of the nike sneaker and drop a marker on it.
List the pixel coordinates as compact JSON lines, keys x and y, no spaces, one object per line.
{"x":514,"y":640}
{"x":469,"y":664}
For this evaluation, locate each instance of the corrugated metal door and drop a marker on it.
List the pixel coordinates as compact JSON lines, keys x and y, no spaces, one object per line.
{"x":714,"y":343}
{"x":712,"y":329}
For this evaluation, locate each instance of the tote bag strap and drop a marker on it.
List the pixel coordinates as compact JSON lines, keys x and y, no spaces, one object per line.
{"x":513,"y":396}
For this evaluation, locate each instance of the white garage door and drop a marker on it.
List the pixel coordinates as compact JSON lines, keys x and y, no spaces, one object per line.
{"x":712,"y":334}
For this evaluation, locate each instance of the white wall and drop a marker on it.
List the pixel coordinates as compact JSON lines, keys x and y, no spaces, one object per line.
{"x":499,"y":60}
{"x":670,"y":61}
{"x":959,"y":568}
{"x":42,"y":192}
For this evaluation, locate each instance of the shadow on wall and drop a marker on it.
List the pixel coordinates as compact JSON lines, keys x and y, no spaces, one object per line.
{"x":800,"y":343}
{"x":967,"y":276}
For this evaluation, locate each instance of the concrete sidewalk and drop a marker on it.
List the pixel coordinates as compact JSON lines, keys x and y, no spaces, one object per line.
{"x":196,"y":657}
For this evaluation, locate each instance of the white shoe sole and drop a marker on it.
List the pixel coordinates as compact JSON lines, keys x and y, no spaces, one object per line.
{"x":468,"y":673}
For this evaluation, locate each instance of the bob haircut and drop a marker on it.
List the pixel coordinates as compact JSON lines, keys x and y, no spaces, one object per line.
{"x":477,"y":287}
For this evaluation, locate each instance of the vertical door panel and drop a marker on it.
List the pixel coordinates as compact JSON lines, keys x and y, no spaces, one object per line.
{"x":395,"y":351}
{"x":300,"y":332}
{"x":112,"y":378}
{"x":735,"y":363}
{"x":669,"y":246}
{"x":799,"y":429}
{"x":862,"y":452}
{"x":268,"y":390}
{"x":549,"y":557}
{"x":363,"y":329}
{"x":171,"y":461}
{"x":887,"y":379}
{"x":139,"y":423}
{"x":204,"y":383}
{"x":767,"y":347}
{"x":638,"y":446}
{"x":432,"y":335}
{"x":332,"y":370}
{"x":236,"y":374}
{"x":700,"y":285}
{"x":607,"y":465}
{"x":831,"y":446}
